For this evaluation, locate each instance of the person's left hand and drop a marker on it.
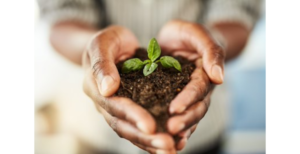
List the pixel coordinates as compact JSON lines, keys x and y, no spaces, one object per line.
{"x":193,"y":42}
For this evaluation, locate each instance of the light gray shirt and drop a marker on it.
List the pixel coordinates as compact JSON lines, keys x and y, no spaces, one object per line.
{"x":145,"y":18}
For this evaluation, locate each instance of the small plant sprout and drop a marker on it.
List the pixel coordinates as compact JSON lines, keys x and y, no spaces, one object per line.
{"x":150,"y":64}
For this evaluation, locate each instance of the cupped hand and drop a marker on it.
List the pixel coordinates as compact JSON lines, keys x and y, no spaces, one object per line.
{"x":193,"y":42}
{"x":129,"y":120}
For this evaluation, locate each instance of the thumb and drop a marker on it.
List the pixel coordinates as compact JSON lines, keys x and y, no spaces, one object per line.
{"x":109,"y":47}
{"x":213,"y":63}
{"x":107,"y":77}
{"x":103,"y":53}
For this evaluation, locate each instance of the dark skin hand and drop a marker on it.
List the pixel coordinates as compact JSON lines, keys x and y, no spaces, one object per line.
{"x":99,"y":51}
{"x":102,"y":50}
{"x":129,"y":120}
{"x":194,"y":42}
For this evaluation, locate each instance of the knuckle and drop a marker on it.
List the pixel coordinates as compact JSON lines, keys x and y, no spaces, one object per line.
{"x":200,"y":112}
{"x":193,"y":118}
{"x":197,"y":115}
{"x":97,"y":65}
{"x":195,"y":87}
{"x":117,"y":108}
{"x":200,"y":109}
{"x":138,"y":139}
{"x":114,"y":125}
{"x":99,"y":108}
{"x":111,"y":34}
{"x":104,"y":104}
{"x":217,"y":52}
{"x":207,"y":103}
{"x":201,"y":88}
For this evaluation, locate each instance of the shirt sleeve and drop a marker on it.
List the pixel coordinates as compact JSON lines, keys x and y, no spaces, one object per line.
{"x":85,"y":11}
{"x":242,"y":11}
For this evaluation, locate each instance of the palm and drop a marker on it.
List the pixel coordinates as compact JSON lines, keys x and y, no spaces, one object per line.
{"x":191,"y":41}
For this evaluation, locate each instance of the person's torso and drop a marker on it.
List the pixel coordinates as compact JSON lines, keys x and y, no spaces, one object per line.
{"x":146,"y":17}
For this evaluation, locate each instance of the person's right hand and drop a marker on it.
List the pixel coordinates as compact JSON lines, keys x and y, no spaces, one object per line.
{"x":126,"y":118}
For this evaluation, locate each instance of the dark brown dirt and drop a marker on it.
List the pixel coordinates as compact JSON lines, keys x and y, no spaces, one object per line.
{"x":155,"y":91}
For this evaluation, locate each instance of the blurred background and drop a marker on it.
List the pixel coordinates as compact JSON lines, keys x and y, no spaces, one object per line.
{"x":245,"y":78}
{"x":62,"y":121}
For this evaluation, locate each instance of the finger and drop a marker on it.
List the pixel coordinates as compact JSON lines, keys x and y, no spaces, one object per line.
{"x":148,"y":149}
{"x":178,"y":35}
{"x":191,"y":56}
{"x":129,"y":111}
{"x":196,"y":90}
{"x":213,"y":55}
{"x":155,"y":151}
{"x":189,"y":117}
{"x":181,"y":144}
{"x":129,"y":132}
{"x":188,"y":132}
{"x":193,"y":128}
{"x":122,"y":108}
{"x":213,"y":63}
{"x":106,"y":49}
{"x":185,"y":135}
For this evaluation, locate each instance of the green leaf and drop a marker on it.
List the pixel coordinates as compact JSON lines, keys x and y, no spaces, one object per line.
{"x":133,"y":64}
{"x":149,"y":68}
{"x":146,"y":61}
{"x":153,"y":50}
{"x":168,"y":62}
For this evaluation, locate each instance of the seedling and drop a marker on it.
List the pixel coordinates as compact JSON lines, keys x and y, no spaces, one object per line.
{"x":150,"y":64}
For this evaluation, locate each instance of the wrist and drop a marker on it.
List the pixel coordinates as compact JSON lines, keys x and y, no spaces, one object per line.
{"x":218,"y":37}
{"x":234,"y":35}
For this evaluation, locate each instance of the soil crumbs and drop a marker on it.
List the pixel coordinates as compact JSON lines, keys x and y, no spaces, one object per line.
{"x":155,"y":91}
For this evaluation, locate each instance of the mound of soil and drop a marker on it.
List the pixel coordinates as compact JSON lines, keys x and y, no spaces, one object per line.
{"x":155,"y":91}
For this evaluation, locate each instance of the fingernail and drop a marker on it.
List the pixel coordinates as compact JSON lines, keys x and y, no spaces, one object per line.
{"x":142,"y":127}
{"x":217,"y":72}
{"x":160,"y":151}
{"x":106,"y":83}
{"x":157,"y":143}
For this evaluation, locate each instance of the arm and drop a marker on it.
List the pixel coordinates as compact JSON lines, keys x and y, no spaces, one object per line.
{"x":100,"y":51}
{"x":234,"y":35}
{"x":73,"y":36}
{"x":229,"y":23}
{"x":197,"y":43}
{"x":72,"y":23}
{"x":233,"y":20}
{"x":70,"y":39}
